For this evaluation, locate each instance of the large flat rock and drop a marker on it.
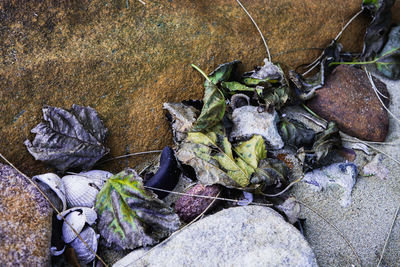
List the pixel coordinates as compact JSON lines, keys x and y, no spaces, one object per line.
{"x":240,"y":236}
{"x":126,"y":60}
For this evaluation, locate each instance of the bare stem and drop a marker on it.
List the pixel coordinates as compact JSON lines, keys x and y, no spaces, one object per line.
{"x":258,"y":29}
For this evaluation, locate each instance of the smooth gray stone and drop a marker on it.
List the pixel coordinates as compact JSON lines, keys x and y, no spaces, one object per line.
{"x":240,"y":236}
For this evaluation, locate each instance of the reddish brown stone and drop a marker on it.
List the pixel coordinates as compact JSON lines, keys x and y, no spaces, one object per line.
{"x":25,"y":222}
{"x":188,"y":207}
{"x":348,"y":99}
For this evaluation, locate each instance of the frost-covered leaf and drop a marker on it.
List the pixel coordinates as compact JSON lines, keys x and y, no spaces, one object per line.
{"x":295,"y":133}
{"x":213,"y":109}
{"x":389,"y":64}
{"x":182,"y":118}
{"x":69,"y":139}
{"x":223,"y":72}
{"x":263,"y":75}
{"x":131,"y":216}
{"x":214,"y":153}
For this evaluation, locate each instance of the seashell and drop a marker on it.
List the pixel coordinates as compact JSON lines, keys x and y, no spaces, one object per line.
{"x":82,"y":252}
{"x":98,"y":177}
{"x":52,"y":181}
{"x":80,"y":191}
{"x":89,"y":213}
{"x":75,"y":219}
{"x":55,"y":252}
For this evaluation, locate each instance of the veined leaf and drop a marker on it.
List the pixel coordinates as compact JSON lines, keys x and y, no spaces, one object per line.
{"x":223,"y":72}
{"x":129,"y":215}
{"x":69,"y":139}
{"x":219,"y":150}
{"x":213,"y":109}
{"x":326,"y":140}
{"x":295,"y":133}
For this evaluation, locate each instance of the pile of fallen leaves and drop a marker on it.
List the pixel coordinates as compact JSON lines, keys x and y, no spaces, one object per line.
{"x":222,"y":138}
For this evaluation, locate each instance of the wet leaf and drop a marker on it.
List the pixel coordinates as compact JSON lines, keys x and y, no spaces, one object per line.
{"x":325,"y":141}
{"x":213,"y":109}
{"x":217,"y":153}
{"x":69,"y":139}
{"x":223,"y":72}
{"x":131,"y":216}
{"x":376,"y":33}
{"x":295,"y":133}
{"x":389,"y":65}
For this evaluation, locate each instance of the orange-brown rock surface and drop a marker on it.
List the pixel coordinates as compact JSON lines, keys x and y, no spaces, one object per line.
{"x":126,"y":60}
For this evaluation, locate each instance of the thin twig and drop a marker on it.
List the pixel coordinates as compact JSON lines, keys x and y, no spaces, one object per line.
{"x":258,"y":29}
{"x":376,"y":90}
{"x":347,"y":24}
{"x":208,"y":197}
{"x":316,"y":61}
{"x":53,"y":206}
{"x":388,"y":235}
{"x":355,"y":140}
{"x":180,"y":230}
{"x":334,"y":227}
{"x":129,"y":155}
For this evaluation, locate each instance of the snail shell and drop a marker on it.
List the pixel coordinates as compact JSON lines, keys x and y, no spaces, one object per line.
{"x":80,"y":191}
{"x":98,"y":177}
{"x":77,"y":218}
{"x":55,"y":183}
{"x":82,"y":252}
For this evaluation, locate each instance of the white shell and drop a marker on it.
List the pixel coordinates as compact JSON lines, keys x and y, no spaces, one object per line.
{"x":98,"y":177}
{"x":54,"y":183}
{"x":79,"y":191}
{"x":75,"y":219}
{"x":89,"y":213}
{"x":82,"y":252}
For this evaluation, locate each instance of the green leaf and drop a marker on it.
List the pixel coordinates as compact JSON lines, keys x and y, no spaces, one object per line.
{"x":223,"y":72}
{"x":237,"y":87}
{"x":255,"y":81}
{"x":271,"y":172}
{"x":213,"y":108}
{"x":252,"y":151}
{"x":131,"y":216}
{"x":295,"y":133}
{"x":277,"y":97}
{"x":326,"y":140}
{"x":218,"y":152}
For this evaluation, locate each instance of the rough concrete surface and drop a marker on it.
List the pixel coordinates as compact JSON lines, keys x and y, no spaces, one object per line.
{"x":125,"y":59}
{"x":367,"y":220}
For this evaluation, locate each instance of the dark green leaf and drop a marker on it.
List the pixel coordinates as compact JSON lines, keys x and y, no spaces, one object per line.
{"x":213,"y":109}
{"x":223,"y":72}
{"x":69,"y":139}
{"x":238,"y":87}
{"x":271,"y":172}
{"x":376,"y":33}
{"x":131,"y":216}
{"x":295,"y":133}
{"x":325,"y":141}
{"x":389,"y":65}
{"x":276,"y":97}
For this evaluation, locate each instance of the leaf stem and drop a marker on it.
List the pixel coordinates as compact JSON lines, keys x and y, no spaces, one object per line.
{"x":201,"y":72}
